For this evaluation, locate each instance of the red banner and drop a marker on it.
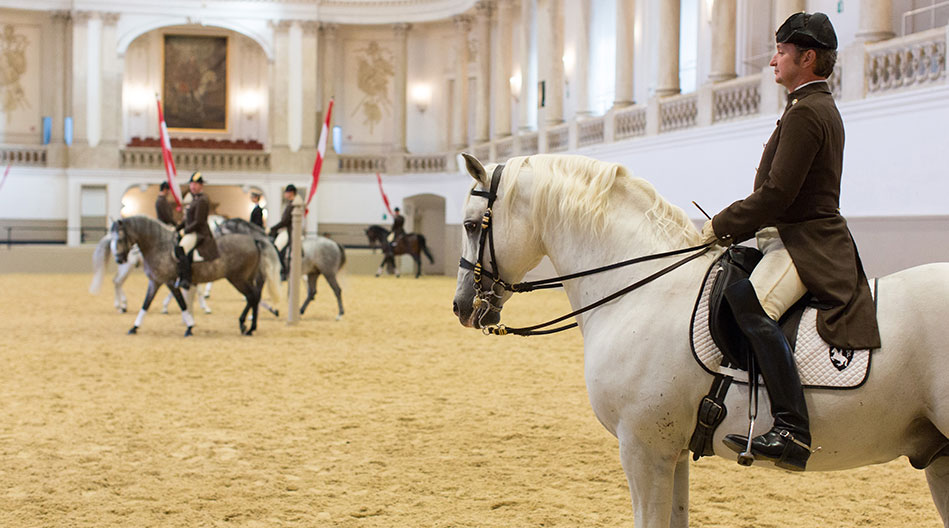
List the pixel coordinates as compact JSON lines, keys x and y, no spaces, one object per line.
{"x":320,"y":153}
{"x":385,"y":199}
{"x":5,"y":173}
{"x":170,"y":171}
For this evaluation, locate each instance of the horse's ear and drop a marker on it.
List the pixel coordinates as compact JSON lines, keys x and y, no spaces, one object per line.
{"x":475,"y":169}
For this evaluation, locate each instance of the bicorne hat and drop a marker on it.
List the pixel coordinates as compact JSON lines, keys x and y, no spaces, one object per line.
{"x":806,"y":30}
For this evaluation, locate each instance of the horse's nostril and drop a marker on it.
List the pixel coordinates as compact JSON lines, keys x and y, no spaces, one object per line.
{"x":454,"y":307}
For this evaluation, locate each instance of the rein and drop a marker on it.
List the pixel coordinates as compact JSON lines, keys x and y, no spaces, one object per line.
{"x":483,"y":297}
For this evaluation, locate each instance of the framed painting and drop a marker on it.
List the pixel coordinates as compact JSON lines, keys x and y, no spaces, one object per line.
{"x":194,"y":83}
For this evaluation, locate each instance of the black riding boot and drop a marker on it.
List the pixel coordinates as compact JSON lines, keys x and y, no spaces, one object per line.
{"x":184,"y":268}
{"x":787,"y":444}
{"x":284,"y":265}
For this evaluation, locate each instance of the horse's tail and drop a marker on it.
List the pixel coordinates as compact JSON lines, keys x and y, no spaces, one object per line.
{"x":99,"y":257}
{"x":270,"y":266}
{"x":342,"y":255}
{"x":424,"y":247}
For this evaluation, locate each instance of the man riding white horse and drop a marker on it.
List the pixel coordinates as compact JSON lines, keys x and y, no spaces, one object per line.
{"x":196,"y":235}
{"x":794,"y":215}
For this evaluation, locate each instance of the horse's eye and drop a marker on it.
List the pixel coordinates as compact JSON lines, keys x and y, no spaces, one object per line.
{"x":471,"y":226}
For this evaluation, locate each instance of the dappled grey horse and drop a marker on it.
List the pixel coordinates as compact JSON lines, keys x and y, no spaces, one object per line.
{"x":320,"y":256}
{"x":245,"y":262}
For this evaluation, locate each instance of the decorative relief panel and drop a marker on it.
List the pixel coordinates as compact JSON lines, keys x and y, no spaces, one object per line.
{"x":374,"y":71}
{"x":19,"y":83}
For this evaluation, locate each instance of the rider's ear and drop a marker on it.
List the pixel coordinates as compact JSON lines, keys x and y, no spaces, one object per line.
{"x":475,"y":169}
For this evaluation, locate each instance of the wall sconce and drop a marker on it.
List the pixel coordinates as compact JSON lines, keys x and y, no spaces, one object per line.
{"x":569,"y":60}
{"x":422,"y":96}
{"x":515,"y":81}
{"x":250,"y":102}
{"x":138,"y":99}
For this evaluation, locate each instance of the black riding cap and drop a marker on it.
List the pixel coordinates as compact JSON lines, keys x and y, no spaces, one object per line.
{"x":163,"y":186}
{"x":291,"y":188}
{"x":808,"y":31}
{"x":196,"y":177}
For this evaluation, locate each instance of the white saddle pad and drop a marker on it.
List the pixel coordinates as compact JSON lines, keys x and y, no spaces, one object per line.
{"x":819,"y":364}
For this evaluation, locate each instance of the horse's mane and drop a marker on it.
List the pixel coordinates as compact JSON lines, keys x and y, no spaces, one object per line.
{"x":572,"y":191}
{"x":147,"y":225}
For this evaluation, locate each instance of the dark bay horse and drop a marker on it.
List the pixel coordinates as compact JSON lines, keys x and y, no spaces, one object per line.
{"x":244,"y":262}
{"x":320,"y":256}
{"x":411,"y":244}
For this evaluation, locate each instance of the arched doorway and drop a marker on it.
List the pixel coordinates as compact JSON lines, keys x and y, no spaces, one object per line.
{"x":425,"y":214}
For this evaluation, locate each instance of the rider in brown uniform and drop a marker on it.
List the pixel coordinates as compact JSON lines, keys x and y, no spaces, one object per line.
{"x":794,"y":215}
{"x":197,"y":233}
{"x":163,"y":208}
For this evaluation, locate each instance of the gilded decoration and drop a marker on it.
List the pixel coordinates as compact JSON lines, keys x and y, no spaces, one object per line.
{"x":12,"y":67}
{"x":373,"y":72}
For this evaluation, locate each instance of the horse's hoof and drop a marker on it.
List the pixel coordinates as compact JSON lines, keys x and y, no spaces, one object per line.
{"x":276,"y":313}
{"x":339,"y":317}
{"x":207,"y":310}
{"x":123,"y":309}
{"x":188,"y":332}
{"x":249,"y":333}
{"x":133,"y":330}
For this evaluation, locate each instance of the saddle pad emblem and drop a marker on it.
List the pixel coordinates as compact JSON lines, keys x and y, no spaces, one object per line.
{"x":819,"y":364}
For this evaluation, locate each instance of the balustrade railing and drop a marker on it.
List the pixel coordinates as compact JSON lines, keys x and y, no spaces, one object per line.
{"x":504,"y":148}
{"x":630,"y":122}
{"x":229,"y":160}
{"x":482,"y":152}
{"x":558,"y":138}
{"x":361,"y":163}
{"x":426,"y":163}
{"x":590,"y":131}
{"x":23,"y":155}
{"x":527,"y":144}
{"x":736,"y":98}
{"x":678,"y":111}
{"x":914,"y":60}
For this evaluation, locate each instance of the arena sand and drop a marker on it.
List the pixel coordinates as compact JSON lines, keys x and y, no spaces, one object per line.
{"x":394,"y":416}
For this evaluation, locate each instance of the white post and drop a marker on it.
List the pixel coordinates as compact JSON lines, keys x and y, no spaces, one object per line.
{"x":668,"y":81}
{"x":296,"y":257}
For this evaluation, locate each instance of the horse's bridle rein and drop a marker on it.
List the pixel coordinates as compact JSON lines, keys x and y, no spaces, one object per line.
{"x":484,"y":296}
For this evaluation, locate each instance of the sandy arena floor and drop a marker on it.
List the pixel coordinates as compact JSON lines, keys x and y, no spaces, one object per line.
{"x":394,"y":416}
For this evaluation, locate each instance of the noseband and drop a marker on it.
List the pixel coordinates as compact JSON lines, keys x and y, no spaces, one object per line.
{"x":485,"y":297}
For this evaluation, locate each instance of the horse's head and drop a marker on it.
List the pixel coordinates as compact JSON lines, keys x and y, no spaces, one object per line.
{"x":499,"y":245}
{"x":120,"y":242}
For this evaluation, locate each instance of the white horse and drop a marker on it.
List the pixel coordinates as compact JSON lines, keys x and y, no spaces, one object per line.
{"x":643,"y":382}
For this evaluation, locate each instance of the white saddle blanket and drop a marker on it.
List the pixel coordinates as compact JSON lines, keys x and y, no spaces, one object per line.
{"x":819,"y":364}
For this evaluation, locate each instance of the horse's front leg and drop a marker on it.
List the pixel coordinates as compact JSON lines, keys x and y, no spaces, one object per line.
{"x":149,"y":296}
{"x":650,"y":473}
{"x":121,"y":304}
{"x":186,"y":316}
{"x":680,"y":492}
{"x":202,"y":300}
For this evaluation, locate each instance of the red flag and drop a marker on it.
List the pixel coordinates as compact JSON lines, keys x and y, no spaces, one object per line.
{"x":5,"y":173}
{"x":385,"y":199}
{"x":320,"y":153}
{"x":170,"y":171}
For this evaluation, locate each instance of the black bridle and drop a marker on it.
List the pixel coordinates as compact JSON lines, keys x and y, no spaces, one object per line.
{"x":484,"y":296}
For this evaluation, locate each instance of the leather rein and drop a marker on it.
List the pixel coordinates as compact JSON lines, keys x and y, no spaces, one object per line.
{"x":484,"y":297}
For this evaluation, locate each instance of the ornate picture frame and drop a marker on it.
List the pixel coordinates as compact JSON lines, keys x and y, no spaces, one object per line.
{"x":194,"y":82}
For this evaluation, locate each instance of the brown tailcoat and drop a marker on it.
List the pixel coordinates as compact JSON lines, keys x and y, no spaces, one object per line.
{"x":797,"y":189}
{"x":164,"y":211}
{"x":196,"y":221}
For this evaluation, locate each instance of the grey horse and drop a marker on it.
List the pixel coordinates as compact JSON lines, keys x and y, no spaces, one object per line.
{"x":245,"y":262}
{"x":320,"y":256}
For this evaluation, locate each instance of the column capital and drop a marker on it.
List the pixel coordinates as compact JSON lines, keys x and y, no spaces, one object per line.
{"x":110,"y":18}
{"x":310,"y":26}
{"x":329,"y":29}
{"x":462,"y":22}
{"x":282,"y":25}
{"x":401,"y":29}
{"x":484,"y":8}
{"x":60,"y":15}
{"x":83,"y":16}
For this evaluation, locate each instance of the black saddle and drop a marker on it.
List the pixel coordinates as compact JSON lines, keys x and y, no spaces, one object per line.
{"x":737,"y":263}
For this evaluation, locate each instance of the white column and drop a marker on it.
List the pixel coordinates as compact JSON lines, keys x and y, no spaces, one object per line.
{"x":500,"y":77}
{"x":400,"y":81}
{"x":483,"y":81}
{"x":279,"y":88}
{"x":723,"y":40}
{"x":625,"y":22}
{"x":875,"y":21}
{"x":459,"y":118}
{"x":93,"y":101}
{"x":785,"y":8}
{"x":111,"y":78}
{"x":579,"y":80}
{"x":330,"y":71}
{"x":550,"y":58}
{"x":294,"y":86}
{"x":528,"y":103}
{"x":310,"y":94}
{"x":667,"y":82}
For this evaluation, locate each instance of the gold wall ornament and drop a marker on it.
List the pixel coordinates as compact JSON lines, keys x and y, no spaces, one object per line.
{"x":373,"y":72}
{"x":12,"y":68}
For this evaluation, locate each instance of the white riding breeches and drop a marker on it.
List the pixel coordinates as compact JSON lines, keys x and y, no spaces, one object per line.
{"x":775,"y":278}
{"x":281,"y":240}
{"x":188,"y":242}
